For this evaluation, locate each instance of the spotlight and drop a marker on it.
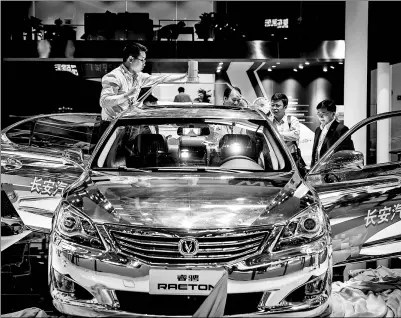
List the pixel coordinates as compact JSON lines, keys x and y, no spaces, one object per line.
{"x":295,"y":70}
{"x":301,"y":66}
{"x":324,"y":68}
{"x":307,"y":63}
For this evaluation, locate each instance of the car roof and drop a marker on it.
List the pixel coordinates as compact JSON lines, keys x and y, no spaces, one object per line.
{"x":194,"y":110}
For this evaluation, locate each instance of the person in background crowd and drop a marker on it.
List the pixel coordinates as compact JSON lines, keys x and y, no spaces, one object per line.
{"x":329,"y":131}
{"x":121,"y":87}
{"x":181,"y":97}
{"x":288,"y":127}
{"x":203,"y":96}
{"x":232,"y":97}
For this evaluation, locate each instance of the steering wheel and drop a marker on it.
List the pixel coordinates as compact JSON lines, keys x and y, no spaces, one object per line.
{"x":236,"y":157}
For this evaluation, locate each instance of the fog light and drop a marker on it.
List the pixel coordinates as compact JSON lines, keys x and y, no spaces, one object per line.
{"x":63,"y":283}
{"x":316,"y":285}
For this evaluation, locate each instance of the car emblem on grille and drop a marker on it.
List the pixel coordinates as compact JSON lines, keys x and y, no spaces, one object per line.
{"x":188,"y":246}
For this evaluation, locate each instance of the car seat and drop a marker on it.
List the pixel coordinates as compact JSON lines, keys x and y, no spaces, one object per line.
{"x":150,"y":143}
{"x":150,"y":150}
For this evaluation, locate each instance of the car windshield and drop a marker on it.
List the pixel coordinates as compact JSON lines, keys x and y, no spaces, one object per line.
{"x":199,"y":144}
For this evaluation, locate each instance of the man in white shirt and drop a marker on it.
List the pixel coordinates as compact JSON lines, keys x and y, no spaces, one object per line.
{"x":288,"y":126}
{"x":181,"y":97}
{"x":329,"y":131}
{"x":121,"y":87}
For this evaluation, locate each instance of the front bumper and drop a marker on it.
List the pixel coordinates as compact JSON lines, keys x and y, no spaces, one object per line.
{"x":117,"y":286}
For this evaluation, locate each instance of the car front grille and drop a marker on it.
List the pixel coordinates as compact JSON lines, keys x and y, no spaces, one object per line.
{"x":215,"y":247}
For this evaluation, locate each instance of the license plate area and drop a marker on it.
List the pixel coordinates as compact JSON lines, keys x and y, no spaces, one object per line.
{"x":183,"y":282}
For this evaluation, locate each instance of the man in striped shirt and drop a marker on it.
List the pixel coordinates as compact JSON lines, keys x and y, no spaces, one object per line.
{"x":121,"y":87}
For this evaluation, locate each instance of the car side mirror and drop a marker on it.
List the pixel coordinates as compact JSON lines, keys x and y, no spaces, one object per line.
{"x":345,"y":159}
{"x":75,"y":155}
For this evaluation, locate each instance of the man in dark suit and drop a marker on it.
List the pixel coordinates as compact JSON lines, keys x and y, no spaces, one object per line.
{"x":329,"y":131}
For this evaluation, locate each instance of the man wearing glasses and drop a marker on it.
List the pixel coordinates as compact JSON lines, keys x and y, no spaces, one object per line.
{"x":121,"y":87}
{"x":329,"y":131}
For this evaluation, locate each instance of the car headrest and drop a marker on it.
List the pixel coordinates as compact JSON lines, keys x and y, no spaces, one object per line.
{"x":150,"y":143}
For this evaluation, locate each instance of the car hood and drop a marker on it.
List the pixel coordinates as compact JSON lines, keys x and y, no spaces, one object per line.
{"x":191,"y":202}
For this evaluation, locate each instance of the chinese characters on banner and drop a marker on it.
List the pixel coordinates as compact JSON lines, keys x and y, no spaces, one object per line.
{"x":97,"y":69}
{"x":385,"y":214}
{"x":277,"y":23}
{"x":66,"y":68}
{"x":49,"y":186}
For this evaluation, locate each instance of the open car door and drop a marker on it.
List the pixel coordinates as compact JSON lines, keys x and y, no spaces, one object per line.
{"x":41,"y":157}
{"x":362,"y":193}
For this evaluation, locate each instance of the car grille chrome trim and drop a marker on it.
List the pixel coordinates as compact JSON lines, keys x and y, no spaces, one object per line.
{"x":215,"y":246}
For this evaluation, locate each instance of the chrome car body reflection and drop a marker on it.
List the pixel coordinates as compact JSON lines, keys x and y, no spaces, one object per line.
{"x":130,"y":239}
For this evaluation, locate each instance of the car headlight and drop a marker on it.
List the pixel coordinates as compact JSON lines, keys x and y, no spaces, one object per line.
{"x":73,"y":226}
{"x":306,"y":227}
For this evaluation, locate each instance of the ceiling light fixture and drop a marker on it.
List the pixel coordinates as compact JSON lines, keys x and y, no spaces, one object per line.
{"x":273,"y":65}
{"x":269,"y":69}
{"x":331,"y":66}
{"x":285,"y":38}
{"x":301,"y":66}
{"x":340,"y":62}
{"x":324,"y":68}
{"x":221,"y":63}
{"x":307,"y":63}
{"x":295,"y":70}
{"x":277,"y":62}
{"x":218,"y":71}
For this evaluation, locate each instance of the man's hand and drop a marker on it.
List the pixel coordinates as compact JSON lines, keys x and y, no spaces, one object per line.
{"x":132,"y":92}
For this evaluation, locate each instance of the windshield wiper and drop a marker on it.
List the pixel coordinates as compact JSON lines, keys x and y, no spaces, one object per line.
{"x":123,"y":168}
{"x":196,"y":169}
{"x":223,"y":170}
